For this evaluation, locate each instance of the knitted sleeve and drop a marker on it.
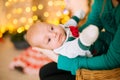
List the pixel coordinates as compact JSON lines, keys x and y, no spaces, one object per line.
{"x":75,"y":18}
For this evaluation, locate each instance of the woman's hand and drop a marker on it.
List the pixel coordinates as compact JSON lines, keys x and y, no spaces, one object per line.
{"x":49,"y":53}
{"x":75,"y":5}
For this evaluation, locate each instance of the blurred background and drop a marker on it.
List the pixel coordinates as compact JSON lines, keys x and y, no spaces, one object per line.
{"x":16,"y":16}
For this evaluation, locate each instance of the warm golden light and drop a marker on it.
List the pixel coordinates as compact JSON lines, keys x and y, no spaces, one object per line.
{"x":30,"y":20}
{"x":27,"y":9}
{"x":1,"y":35}
{"x":35,"y":17}
{"x":40,"y":6}
{"x":11,"y":28}
{"x":27,"y":27}
{"x":50,"y":3}
{"x":7,"y":4}
{"x":65,"y":19}
{"x":19,"y":10}
{"x":20,"y":30}
{"x":18,"y":15}
{"x":15,"y":21}
{"x":46,"y":14}
{"x":34,"y":8}
{"x":2,"y":30}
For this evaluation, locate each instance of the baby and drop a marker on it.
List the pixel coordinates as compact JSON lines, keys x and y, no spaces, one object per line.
{"x":63,"y":39}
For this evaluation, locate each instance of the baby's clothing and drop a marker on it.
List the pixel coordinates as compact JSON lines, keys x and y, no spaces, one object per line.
{"x":72,"y":47}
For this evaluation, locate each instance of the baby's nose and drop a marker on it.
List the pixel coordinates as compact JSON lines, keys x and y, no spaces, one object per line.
{"x":54,"y":34}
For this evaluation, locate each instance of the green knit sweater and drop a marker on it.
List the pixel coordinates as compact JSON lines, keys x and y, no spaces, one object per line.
{"x":105,"y":17}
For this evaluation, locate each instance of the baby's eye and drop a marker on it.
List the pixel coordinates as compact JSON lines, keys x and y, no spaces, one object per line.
{"x":52,"y":28}
{"x":49,"y":40}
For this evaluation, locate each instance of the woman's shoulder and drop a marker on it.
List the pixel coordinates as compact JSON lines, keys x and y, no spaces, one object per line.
{"x":97,"y":4}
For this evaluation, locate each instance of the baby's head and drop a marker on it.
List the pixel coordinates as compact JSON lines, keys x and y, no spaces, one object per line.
{"x":44,"y":35}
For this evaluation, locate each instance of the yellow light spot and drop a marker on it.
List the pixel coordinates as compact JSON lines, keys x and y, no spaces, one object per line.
{"x":34,"y":8}
{"x":7,"y":4}
{"x":46,"y":14}
{"x":10,"y":28}
{"x":27,"y":27}
{"x":3,"y":29}
{"x":35,"y":17}
{"x":50,"y":3}
{"x":15,"y":21}
{"x":20,"y":30}
{"x":40,"y":6}
{"x":19,"y":10}
{"x":66,"y":17}
{"x":27,"y":9}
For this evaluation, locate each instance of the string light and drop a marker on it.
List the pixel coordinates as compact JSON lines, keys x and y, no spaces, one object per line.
{"x":46,"y":14}
{"x":28,"y":9}
{"x":20,"y":29}
{"x":50,"y":3}
{"x":35,"y":17}
{"x":34,"y":8}
{"x":15,"y":21}
{"x":27,"y":27}
{"x":40,"y":6}
{"x":20,"y":14}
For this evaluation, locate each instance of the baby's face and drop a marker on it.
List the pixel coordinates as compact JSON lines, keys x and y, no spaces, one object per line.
{"x":50,"y":36}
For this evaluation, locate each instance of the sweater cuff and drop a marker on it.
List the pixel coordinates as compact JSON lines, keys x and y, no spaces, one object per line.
{"x":82,"y":46}
{"x":64,"y":63}
{"x":76,"y":19}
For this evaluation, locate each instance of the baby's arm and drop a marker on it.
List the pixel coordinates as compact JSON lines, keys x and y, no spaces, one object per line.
{"x":89,"y":35}
{"x":78,"y":15}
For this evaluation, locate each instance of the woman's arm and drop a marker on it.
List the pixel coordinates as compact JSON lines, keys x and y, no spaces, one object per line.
{"x":49,"y":53}
{"x":108,"y":60}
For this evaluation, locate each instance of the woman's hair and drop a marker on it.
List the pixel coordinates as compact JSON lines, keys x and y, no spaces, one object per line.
{"x":103,"y":5}
{"x":118,"y":1}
